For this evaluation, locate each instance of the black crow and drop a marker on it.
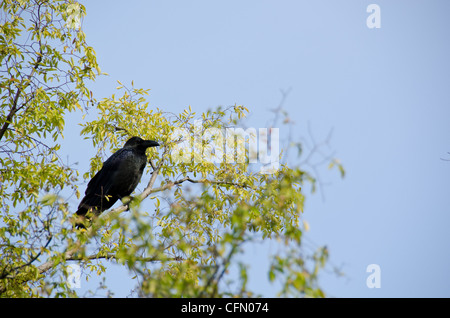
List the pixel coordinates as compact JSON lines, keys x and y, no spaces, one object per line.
{"x":118,"y":177}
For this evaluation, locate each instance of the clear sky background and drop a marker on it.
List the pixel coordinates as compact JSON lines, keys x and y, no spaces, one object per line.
{"x":385,"y":93}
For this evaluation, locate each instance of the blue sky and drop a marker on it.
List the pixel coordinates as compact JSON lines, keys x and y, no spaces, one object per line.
{"x":384,"y":92}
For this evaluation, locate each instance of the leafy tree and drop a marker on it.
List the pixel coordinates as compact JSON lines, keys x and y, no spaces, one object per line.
{"x":198,"y":211}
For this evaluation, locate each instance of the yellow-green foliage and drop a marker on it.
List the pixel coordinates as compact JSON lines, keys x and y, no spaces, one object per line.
{"x":192,"y":219}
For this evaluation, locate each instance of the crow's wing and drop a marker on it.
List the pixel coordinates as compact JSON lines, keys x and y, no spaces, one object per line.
{"x":103,"y":183}
{"x":103,"y":179}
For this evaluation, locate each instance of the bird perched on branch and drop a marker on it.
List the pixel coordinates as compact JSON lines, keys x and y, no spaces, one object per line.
{"x":117,"y":179}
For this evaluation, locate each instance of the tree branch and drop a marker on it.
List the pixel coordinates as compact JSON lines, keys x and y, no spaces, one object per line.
{"x":14,"y":107}
{"x":110,"y":256}
{"x":33,"y":258}
{"x":204,"y":180}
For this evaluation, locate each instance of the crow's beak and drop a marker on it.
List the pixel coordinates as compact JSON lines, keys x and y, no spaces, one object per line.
{"x":151,"y":143}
